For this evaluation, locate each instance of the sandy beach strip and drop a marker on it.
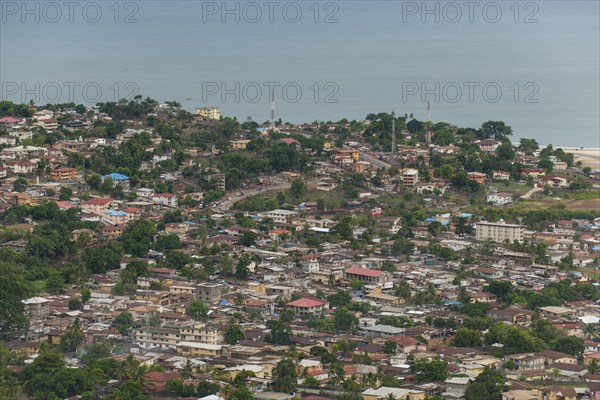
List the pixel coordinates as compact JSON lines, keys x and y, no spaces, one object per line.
{"x":589,"y":157}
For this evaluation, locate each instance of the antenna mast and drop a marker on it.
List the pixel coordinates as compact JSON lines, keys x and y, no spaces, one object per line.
{"x":273,"y":108}
{"x":393,"y":131}
{"x":428,"y":134}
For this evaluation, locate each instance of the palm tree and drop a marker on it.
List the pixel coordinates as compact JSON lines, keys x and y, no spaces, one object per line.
{"x":594,"y":367}
{"x":127,"y":368}
{"x":218,"y":374}
{"x":370,"y":380}
{"x":293,"y":353}
{"x":589,"y":331}
{"x":238,"y":300}
{"x":226,"y":391}
{"x":336,"y":374}
{"x":380,"y":374}
{"x":390,"y":396}
{"x":350,"y":383}
{"x":187,"y":370}
{"x":12,"y":387}
{"x":139,"y":375}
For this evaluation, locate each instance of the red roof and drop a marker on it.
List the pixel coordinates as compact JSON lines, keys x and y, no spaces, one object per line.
{"x":9,"y":120}
{"x":64,"y":205}
{"x":364,"y":271}
{"x":279,"y":231}
{"x":404,"y":340}
{"x":156,"y":376}
{"x":98,"y":201}
{"x":306,"y":303}
{"x":290,"y":141}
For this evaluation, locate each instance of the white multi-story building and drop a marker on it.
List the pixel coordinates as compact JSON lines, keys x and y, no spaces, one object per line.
{"x":498,"y":231}
{"x":165,"y":199}
{"x":280,"y":216}
{"x":145,"y":193}
{"x":170,"y":336}
{"x":410,"y":177}
{"x":499,"y":199}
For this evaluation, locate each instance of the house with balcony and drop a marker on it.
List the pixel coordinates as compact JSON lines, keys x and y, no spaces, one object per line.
{"x":306,"y":306}
{"x":369,"y":276}
{"x":478,"y":177}
{"x":118,"y":180}
{"x":499,"y":199}
{"x":514,"y":316}
{"x":63,"y":174}
{"x":98,"y":205}
{"x":488,"y":273}
{"x":165,"y":199}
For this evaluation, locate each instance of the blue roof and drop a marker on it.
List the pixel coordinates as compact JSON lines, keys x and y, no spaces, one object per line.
{"x":466,"y":215}
{"x":451,"y":302}
{"x":116,"y":213}
{"x":430,"y":220}
{"x":223,"y":303}
{"x":115,"y":177}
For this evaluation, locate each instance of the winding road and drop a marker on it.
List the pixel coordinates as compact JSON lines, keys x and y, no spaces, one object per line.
{"x":232,"y":198}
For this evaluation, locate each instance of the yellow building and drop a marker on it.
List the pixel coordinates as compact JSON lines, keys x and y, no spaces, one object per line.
{"x":385,"y":298}
{"x":354,"y":154}
{"x":196,"y":349}
{"x":200,"y":332}
{"x":239,"y":144}
{"x":209,"y":112}
{"x":153,"y":296}
{"x":399,"y":394}
{"x":557,"y":393}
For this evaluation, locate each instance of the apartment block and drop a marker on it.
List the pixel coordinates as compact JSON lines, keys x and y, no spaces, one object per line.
{"x":498,"y":231}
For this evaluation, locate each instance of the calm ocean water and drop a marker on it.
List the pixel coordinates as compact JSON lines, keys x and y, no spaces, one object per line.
{"x":534,"y":65}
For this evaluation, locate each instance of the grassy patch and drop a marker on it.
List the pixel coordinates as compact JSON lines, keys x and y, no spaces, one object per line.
{"x":513,"y":188}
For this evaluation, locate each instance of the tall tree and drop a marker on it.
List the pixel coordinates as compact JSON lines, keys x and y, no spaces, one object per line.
{"x":198,"y":310}
{"x":435,"y":370}
{"x":497,"y":130}
{"x":13,"y":289}
{"x":488,"y":385}
{"x":233,"y":333}
{"x":285,"y":376}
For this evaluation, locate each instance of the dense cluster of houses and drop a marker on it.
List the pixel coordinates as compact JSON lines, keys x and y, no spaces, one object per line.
{"x":288,"y":274}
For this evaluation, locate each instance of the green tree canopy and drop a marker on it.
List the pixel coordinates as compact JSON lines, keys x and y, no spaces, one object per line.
{"x":285,"y":376}
{"x":13,"y":289}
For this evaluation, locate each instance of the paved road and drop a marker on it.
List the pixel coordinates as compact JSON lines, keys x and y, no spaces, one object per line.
{"x":376,"y":162}
{"x":228,"y":202}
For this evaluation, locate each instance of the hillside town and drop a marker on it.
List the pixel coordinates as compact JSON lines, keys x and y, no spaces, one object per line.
{"x":149,"y":252}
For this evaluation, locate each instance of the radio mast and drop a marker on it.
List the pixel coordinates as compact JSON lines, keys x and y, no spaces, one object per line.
{"x":429,"y":132}
{"x":273,"y":109}
{"x":393,"y":131}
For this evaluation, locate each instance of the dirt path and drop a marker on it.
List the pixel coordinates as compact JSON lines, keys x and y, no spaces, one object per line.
{"x":530,"y":192}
